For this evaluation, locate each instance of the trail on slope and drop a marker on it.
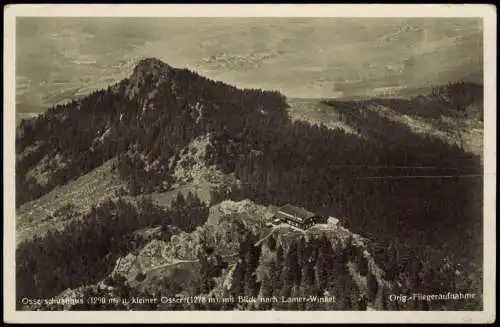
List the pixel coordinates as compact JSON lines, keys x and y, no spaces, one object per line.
{"x":173,"y":263}
{"x":274,"y":228}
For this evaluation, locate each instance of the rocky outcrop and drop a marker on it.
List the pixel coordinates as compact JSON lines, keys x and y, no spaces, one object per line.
{"x":177,"y":261}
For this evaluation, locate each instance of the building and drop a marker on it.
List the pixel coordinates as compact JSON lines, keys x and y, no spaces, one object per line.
{"x":298,"y":217}
{"x":333,"y":221}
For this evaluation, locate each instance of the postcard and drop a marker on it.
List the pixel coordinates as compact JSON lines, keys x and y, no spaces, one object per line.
{"x":250,"y":163}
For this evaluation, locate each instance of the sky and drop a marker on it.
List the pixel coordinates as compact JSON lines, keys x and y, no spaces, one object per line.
{"x":60,"y":58}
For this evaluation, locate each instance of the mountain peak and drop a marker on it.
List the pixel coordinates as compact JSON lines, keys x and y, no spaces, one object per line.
{"x":151,"y":62}
{"x":148,"y":71}
{"x":151,"y":65}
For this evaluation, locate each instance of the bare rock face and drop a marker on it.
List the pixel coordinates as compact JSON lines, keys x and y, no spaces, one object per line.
{"x":149,"y":73}
{"x":151,"y":256}
{"x":245,"y":207}
{"x":191,"y":166}
{"x":177,"y":261}
{"x":150,"y":68}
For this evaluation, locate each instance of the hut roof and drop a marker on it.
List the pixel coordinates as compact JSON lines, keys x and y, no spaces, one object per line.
{"x":290,"y":211}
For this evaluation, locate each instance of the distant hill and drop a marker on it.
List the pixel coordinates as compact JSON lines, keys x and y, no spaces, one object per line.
{"x":452,"y":112}
{"x":168,"y":136}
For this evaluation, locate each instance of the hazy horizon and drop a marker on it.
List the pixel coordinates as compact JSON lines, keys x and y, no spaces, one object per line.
{"x":61,"y":58}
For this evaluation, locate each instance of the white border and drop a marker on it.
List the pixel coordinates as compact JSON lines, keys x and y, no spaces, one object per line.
{"x":487,"y":12}
{"x":246,"y":10}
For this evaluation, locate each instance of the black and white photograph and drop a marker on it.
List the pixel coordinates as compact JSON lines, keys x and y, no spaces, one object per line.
{"x":322,"y":165}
